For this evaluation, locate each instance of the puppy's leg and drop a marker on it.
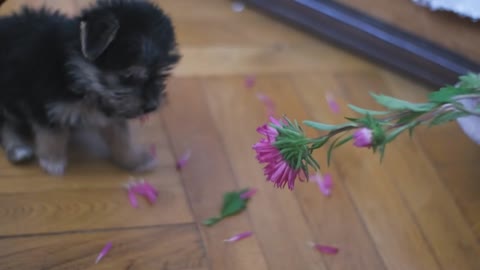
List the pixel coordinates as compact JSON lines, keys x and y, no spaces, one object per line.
{"x":17,"y":148}
{"x":124,"y":152}
{"x":51,"y":149}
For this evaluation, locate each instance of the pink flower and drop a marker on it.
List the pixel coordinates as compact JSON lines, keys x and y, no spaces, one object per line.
{"x":278,"y":170}
{"x":141,"y":188}
{"x":363,"y":137}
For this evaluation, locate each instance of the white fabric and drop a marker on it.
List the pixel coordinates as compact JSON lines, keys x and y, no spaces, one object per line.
{"x":465,"y":8}
{"x":470,"y":124}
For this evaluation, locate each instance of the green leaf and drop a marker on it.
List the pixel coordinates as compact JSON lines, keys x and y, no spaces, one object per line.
{"x":398,"y":104}
{"x":445,"y":94}
{"x":330,"y":149}
{"x":382,"y":152}
{"x":470,"y":81}
{"x":365,"y":111}
{"x":232,"y":204}
{"x":408,"y":118}
{"x":446,"y":117}
{"x":410,"y":129}
{"x":320,"y":143}
{"x":391,"y":136}
{"x":327,"y":127}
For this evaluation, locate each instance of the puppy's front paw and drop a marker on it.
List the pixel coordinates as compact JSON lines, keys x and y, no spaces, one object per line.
{"x":53,"y":166}
{"x":20,"y":154}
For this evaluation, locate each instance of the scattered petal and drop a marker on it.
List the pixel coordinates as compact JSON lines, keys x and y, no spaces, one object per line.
{"x":153,"y":150}
{"x":132,"y":198}
{"x":332,"y":103}
{"x":250,"y":82}
{"x":141,"y":188}
{"x":248,"y":194}
{"x":238,"y":237}
{"x":324,"y":183}
{"x":104,"y":252}
{"x":324,"y":249}
{"x":268,"y":102}
{"x":238,"y":6}
{"x":183,"y":159}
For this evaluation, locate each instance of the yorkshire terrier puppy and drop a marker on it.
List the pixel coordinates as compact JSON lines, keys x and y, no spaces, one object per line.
{"x":95,"y":71}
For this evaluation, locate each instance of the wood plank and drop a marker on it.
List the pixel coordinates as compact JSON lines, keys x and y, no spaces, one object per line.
{"x":344,"y":221}
{"x":164,"y":247}
{"x":389,"y":221}
{"x":208,"y":176}
{"x":276,"y":216}
{"x":83,"y":202}
{"x":413,"y":174}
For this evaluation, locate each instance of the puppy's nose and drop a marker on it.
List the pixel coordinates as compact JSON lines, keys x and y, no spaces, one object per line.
{"x":150,"y":106}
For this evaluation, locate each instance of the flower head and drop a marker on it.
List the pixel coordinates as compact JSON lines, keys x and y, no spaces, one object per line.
{"x":363,"y":137}
{"x":285,"y":151}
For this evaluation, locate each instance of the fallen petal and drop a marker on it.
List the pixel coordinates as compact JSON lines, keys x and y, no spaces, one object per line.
{"x":250,"y":82}
{"x":268,"y":102}
{"x":238,"y":237}
{"x":183,"y":159}
{"x":248,"y":194}
{"x":324,"y":183}
{"x":104,"y":252}
{"x":324,"y":249}
{"x":332,"y":103}
{"x":153,"y":150}
{"x":133,"y":200}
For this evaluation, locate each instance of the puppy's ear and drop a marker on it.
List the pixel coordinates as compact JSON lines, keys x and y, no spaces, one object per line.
{"x":96,"y":33}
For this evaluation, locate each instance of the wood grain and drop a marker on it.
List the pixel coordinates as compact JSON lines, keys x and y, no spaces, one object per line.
{"x":207,"y":176}
{"x":162,"y":247}
{"x":275,"y":212}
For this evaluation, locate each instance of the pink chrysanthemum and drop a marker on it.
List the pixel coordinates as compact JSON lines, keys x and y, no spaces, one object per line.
{"x":363,"y":137}
{"x":282,"y":167}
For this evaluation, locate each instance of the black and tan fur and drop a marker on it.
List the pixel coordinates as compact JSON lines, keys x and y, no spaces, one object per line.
{"x":95,"y":71}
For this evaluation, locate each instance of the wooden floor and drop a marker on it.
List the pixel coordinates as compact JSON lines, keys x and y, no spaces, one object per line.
{"x":420,"y":209}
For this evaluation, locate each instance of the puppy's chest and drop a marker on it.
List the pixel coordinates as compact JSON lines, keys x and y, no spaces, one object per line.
{"x":75,"y":114}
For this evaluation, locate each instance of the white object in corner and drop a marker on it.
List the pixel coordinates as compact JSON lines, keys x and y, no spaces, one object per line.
{"x":464,"y":8}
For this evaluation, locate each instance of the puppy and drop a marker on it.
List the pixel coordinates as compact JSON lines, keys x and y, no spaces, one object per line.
{"x":96,"y":71}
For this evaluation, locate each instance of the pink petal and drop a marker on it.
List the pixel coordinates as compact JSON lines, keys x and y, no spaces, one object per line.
{"x":104,"y":252}
{"x":248,"y":194}
{"x":324,"y":183}
{"x":332,"y":103}
{"x":250,"y":82}
{"x":183,"y":159}
{"x":325,"y":249}
{"x":133,"y":200}
{"x":268,"y":102}
{"x":153,"y":150}
{"x":238,"y":237}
